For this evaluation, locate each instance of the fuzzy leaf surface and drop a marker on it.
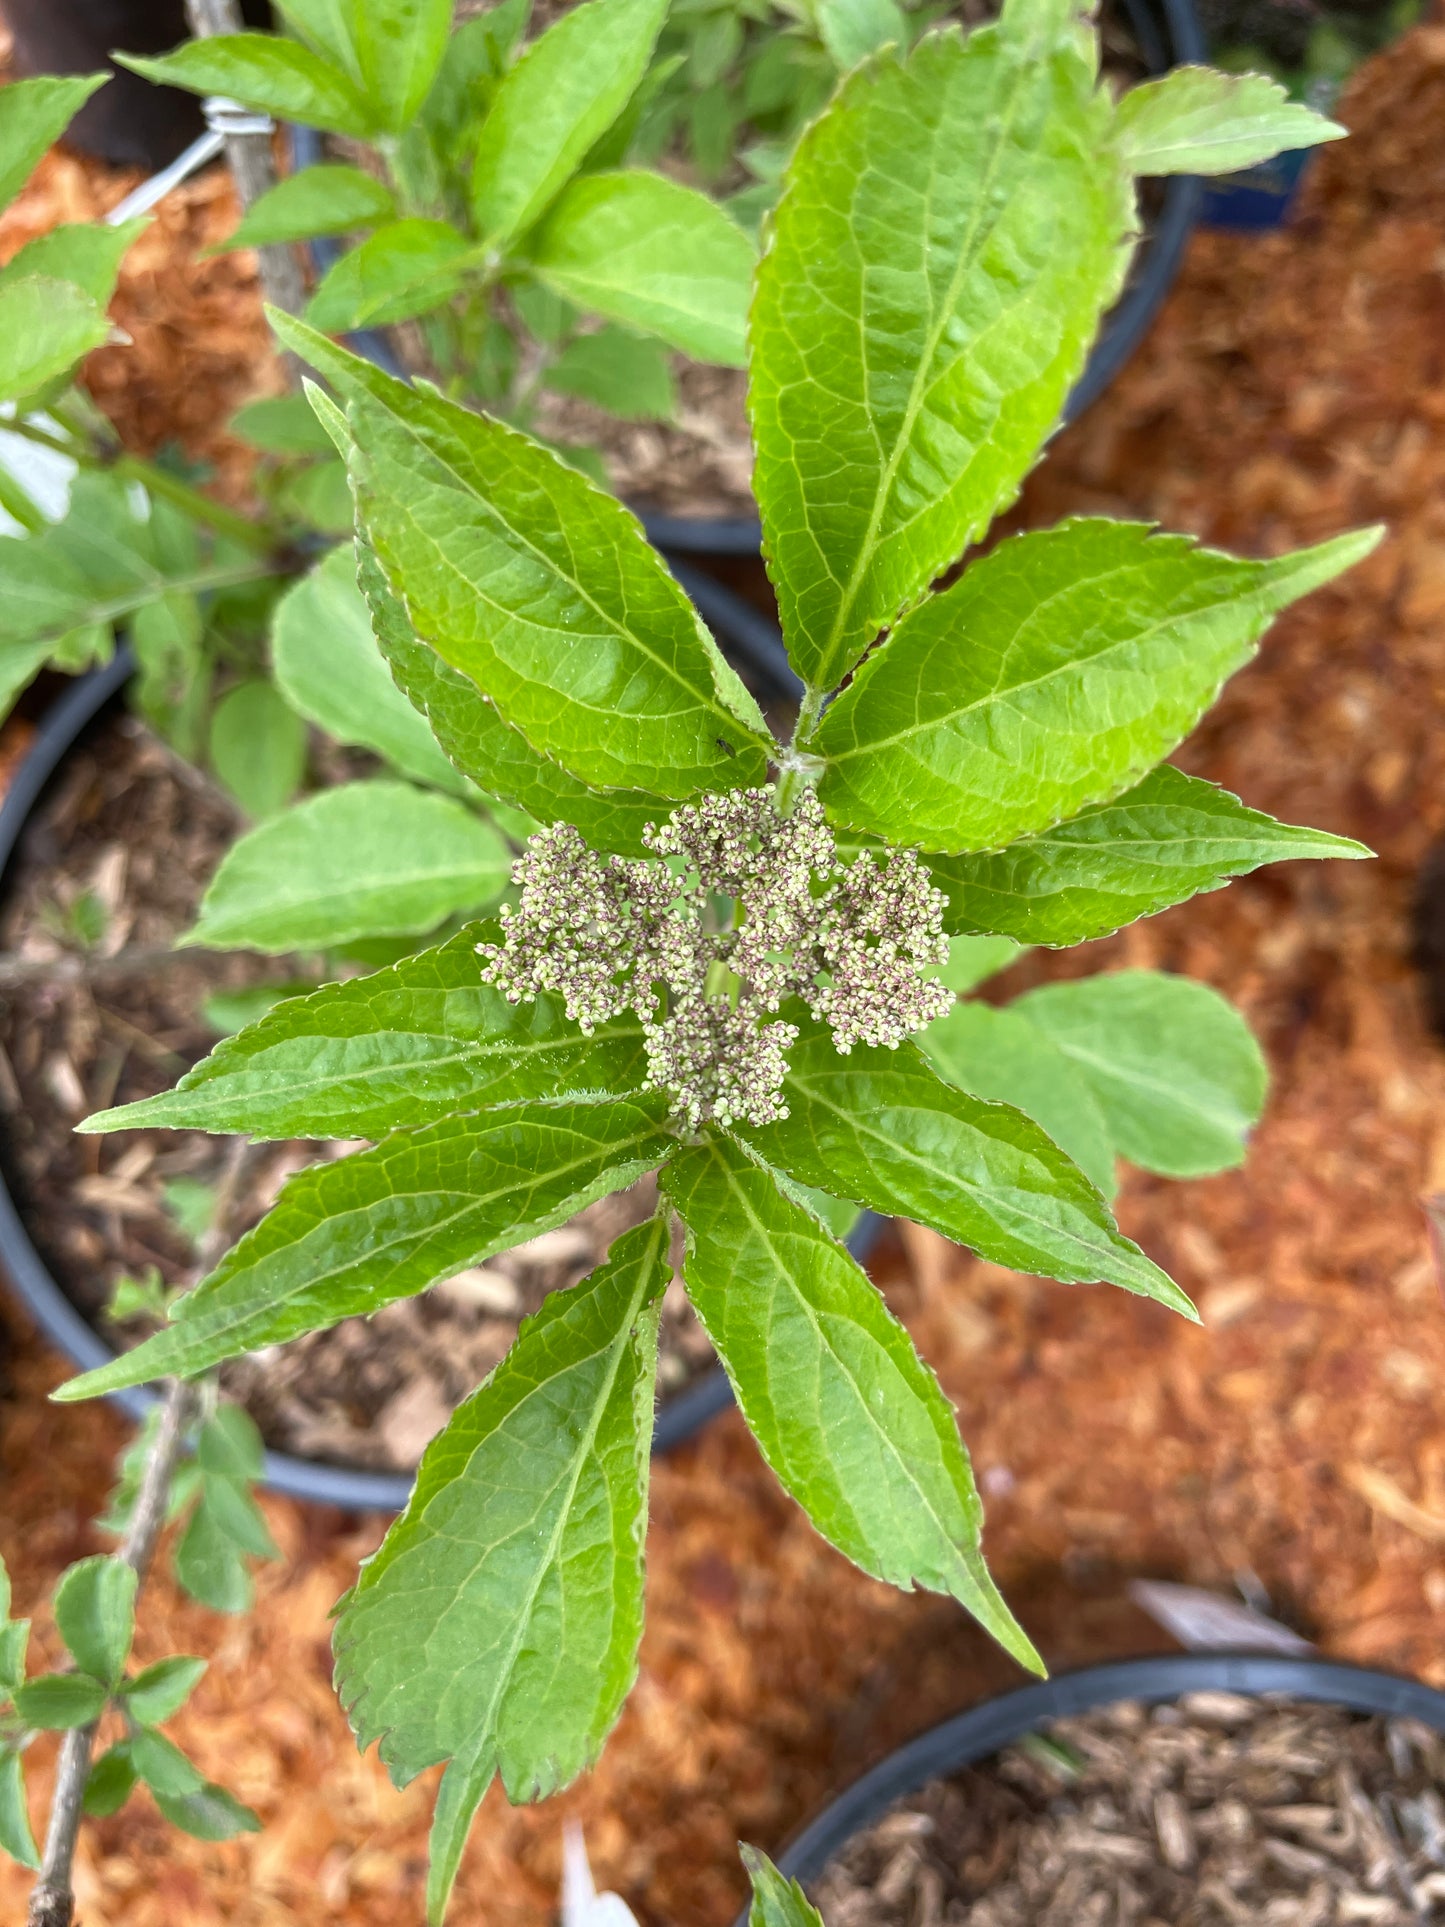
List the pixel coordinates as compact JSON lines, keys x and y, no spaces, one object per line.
{"x":367,"y":859}
{"x":554,"y":103}
{"x":655,"y":254}
{"x":949,"y":233}
{"x":1174,"y":1067}
{"x":479,"y":742}
{"x":264,"y":71}
{"x":497,"y":1625}
{"x":1000,"y":1056}
{"x":348,"y":1237}
{"x":882,"y":1127}
{"x":329,"y":198}
{"x":1198,"y":121}
{"x":402,"y":1047}
{"x":33,"y":116}
{"x":1166,"y":839}
{"x":329,"y":669}
{"x":1053,"y":674}
{"x":545,"y":592}
{"x":844,"y":1410}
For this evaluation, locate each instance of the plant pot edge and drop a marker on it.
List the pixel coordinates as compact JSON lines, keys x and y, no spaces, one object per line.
{"x":983,"y":1730}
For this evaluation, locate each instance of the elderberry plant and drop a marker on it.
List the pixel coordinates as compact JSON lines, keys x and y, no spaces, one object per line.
{"x":720,"y":940}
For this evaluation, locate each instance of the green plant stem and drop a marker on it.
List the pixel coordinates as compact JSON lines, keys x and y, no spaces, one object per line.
{"x":134,"y":468}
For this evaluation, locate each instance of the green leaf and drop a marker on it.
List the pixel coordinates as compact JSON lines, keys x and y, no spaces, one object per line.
{"x":1160,"y":842}
{"x":950,"y":231}
{"x":210,"y":1813}
{"x":999,"y":1055}
{"x":210,"y":1566}
{"x":350,"y":1236}
{"x":398,"y":47}
{"x":162,"y":1765}
{"x":560,"y":97}
{"x":281,"y":425}
{"x":492,"y":753}
{"x":235,"y":1513}
{"x":95,"y":1613}
{"x":46,"y":326}
{"x":879,"y":1126}
{"x":33,"y":116}
{"x":374,"y":858}
{"x":110,"y":1783}
{"x":330,"y":670}
{"x":406,"y":268}
{"x":1196,"y":121}
{"x":621,"y":372}
{"x":1174,"y":1067}
{"x":16,"y":1839}
{"x":318,"y":496}
{"x":14,"y":1639}
{"x":850,"y":30}
{"x":58,"y":1701}
{"x":658,"y":255}
{"x":845,"y":1412}
{"x":162,"y":1689}
{"x":258,"y":747}
{"x":266,"y":72}
{"x":326,"y":26}
{"x":776,"y":1902}
{"x":230,"y":1445}
{"x":403,"y":1047}
{"x":1092,"y":650}
{"x":85,"y":253}
{"x":973,"y":960}
{"x":329,"y":198}
{"x":497,"y":1625}
{"x":545,"y":592}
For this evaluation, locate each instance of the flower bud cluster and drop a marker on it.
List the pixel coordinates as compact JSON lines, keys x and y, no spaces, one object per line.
{"x":737,"y":909}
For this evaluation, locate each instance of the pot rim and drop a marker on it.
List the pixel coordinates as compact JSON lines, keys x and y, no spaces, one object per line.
{"x":995,"y":1723}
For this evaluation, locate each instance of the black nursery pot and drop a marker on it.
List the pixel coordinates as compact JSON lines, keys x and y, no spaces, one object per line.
{"x":985,"y":1730}
{"x":754,"y":647}
{"x":1169,"y":35}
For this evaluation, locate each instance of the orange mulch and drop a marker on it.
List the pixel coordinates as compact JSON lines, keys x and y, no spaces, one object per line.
{"x":1295,"y":386}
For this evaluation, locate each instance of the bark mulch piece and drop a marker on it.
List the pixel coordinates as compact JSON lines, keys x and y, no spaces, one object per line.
{"x":1294,"y":386}
{"x":1213,"y":1811}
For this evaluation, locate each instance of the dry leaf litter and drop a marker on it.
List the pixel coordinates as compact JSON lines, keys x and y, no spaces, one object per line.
{"x":1294,"y":386}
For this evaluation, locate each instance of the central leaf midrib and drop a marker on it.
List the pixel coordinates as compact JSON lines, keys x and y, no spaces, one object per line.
{"x":923,"y":378}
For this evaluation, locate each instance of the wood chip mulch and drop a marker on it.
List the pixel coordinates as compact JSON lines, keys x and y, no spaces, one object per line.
{"x":1294,"y":386}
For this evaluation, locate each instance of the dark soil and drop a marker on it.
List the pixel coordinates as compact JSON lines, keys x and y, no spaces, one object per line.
{"x":1213,"y":1811}
{"x":127,"y":838}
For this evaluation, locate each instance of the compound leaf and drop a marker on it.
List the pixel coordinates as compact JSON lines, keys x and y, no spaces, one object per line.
{"x":497,"y":1625}
{"x":347,"y":1237}
{"x":368,"y":859}
{"x":1051,"y":675}
{"x":1162,"y":841}
{"x":1174,"y":1067}
{"x":46,"y":326}
{"x":845,"y":1412}
{"x":881,"y":1126}
{"x":329,"y":198}
{"x":95,"y":1614}
{"x":397,"y":46}
{"x":33,"y":116}
{"x":949,"y":233}
{"x":162,"y":1689}
{"x":402,"y":1047}
{"x":404,"y":269}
